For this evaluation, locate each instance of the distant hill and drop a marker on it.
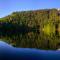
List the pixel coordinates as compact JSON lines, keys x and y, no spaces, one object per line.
{"x":33,"y":29}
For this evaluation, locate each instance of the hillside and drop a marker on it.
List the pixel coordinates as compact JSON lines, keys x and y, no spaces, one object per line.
{"x":32,"y":29}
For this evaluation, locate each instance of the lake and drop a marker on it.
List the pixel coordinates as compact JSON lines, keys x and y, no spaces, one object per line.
{"x":8,"y":52}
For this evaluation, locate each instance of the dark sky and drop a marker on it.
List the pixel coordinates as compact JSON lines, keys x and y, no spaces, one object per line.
{"x":9,"y":6}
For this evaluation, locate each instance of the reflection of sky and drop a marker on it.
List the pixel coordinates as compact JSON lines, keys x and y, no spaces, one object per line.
{"x":4,"y":44}
{"x":8,"y":6}
{"x":12,"y":53}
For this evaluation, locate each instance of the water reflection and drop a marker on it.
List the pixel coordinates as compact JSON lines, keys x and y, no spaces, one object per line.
{"x":9,"y":52}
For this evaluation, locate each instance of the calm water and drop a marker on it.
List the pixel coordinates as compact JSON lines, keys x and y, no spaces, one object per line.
{"x":7,"y":52}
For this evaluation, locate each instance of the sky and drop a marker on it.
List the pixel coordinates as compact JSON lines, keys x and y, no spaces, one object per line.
{"x":9,"y":6}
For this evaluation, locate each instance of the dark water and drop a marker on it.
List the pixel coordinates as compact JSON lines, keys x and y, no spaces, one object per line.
{"x":7,"y":52}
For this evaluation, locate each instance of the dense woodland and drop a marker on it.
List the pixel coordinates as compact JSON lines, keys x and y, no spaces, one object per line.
{"x":32,"y":29}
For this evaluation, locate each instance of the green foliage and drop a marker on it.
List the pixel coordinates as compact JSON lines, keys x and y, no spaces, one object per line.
{"x":31,"y":29}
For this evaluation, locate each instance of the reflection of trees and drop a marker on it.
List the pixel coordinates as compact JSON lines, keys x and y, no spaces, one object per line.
{"x":21,"y":35}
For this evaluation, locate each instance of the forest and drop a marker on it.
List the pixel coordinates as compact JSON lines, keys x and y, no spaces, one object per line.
{"x":32,"y":29}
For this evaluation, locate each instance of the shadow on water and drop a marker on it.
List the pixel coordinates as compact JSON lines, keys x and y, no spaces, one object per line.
{"x":8,"y":52}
